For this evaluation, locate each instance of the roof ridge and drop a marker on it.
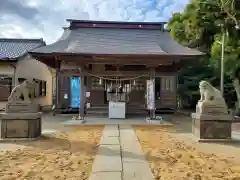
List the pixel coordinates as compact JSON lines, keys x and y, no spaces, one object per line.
{"x":114,"y":22}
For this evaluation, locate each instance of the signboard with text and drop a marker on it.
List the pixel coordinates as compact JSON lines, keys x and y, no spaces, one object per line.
{"x":150,"y":94}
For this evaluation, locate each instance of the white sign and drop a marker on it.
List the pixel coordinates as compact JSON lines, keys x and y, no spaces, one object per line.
{"x":87,"y":94}
{"x":150,"y":94}
{"x":88,"y":105}
{"x":65,"y":96}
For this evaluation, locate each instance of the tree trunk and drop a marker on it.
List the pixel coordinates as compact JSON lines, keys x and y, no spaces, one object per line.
{"x":237,"y":89}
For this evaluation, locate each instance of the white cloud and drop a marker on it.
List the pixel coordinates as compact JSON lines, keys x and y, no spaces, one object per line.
{"x":44,"y":18}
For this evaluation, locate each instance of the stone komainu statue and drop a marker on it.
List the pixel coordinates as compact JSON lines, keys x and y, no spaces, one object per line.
{"x":23,"y":89}
{"x":211,"y":100}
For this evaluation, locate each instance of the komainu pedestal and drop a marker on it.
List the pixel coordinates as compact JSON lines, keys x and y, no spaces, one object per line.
{"x":207,"y":126}
{"x":20,"y":125}
{"x":22,"y":107}
{"x":22,"y":119}
{"x":211,"y":120}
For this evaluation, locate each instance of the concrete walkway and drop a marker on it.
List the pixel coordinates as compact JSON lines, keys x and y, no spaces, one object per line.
{"x":120,"y":156}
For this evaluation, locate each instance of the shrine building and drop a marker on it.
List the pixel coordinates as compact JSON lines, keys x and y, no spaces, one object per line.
{"x":100,"y":62}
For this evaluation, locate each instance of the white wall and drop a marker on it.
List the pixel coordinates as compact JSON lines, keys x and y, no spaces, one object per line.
{"x":6,"y":69}
{"x":27,"y":67}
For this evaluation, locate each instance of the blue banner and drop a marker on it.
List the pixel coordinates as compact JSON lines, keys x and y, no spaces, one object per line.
{"x":75,"y":92}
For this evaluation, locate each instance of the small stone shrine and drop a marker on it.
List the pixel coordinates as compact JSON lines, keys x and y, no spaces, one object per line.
{"x":211,"y":120}
{"x":22,"y":119}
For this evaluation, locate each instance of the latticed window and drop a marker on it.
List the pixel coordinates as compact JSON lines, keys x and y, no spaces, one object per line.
{"x":167,"y":83}
{"x":43,"y":88}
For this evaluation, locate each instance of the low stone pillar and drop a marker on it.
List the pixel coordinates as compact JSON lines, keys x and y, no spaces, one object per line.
{"x":20,"y":121}
{"x":211,"y":127}
{"x":20,"y":125}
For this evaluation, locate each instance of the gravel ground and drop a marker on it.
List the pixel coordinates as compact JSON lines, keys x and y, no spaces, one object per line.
{"x":61,"y":155}
{"x":175,"y":157}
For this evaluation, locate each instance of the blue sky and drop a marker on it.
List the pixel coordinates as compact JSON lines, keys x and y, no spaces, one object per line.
{"x":44,"y":18}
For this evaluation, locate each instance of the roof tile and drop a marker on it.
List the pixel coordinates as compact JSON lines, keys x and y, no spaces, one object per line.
{"x":14,"y":48}
{"x":117,"y":41}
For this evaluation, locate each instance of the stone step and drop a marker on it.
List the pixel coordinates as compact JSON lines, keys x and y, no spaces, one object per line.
{"x":102,"y":110}
{"x":106,"y":112}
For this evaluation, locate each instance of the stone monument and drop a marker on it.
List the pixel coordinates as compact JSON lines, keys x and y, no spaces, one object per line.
{"x":211,"y":120}
{"x":22,"y":119}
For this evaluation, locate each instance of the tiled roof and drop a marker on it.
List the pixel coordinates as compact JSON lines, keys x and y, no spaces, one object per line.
{"x":14,"y":48}
{"x":2,"y":57}
{"x":86,"y":40}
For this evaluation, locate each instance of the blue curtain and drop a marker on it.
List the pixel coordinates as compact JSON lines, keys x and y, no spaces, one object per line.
{"x":75,"y":92}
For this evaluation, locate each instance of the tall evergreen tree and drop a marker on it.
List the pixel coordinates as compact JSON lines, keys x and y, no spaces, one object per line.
{"x":202,"y":25}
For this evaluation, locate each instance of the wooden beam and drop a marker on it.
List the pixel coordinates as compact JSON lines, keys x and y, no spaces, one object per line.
{"x":131,"y":60}
{"x":114,"y":73}
{"x":152,"y":66}
{"x":132,"y":63}
{"x":50,"y":62}
{"x":83,"y":60}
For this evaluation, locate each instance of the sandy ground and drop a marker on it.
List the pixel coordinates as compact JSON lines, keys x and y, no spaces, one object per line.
{"x":63,"y":155}
{"x":175,"y":157}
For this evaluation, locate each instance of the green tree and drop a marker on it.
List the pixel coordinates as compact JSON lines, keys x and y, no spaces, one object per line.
{"x":189,"y":78}
{"x":201,"y":26}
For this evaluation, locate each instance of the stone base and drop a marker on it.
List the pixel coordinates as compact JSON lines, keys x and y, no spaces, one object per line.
{"x":218,"y":140}
{"x":212,"y":127}
{"x":154,"y":121}
{"x":20,"y":125}
{"x":209,"y":108}
{"x":22,"y":107}
{"x":7,"y":140}
{"x":74,"y":122}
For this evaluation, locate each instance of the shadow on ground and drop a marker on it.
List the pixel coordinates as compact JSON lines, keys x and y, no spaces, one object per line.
{"x":50,"y":143}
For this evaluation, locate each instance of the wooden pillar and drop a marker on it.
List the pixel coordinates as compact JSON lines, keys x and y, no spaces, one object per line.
{"x":152,"y":78}
{"x":57,"y":82}
{"x":82,"y":93}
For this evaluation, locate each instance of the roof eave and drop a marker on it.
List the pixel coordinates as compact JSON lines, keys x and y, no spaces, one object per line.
{"x":119,"y":55}
{"x":9,"y":60}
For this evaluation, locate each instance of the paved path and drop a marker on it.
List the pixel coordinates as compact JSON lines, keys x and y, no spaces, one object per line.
{"x":120,"y":156}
